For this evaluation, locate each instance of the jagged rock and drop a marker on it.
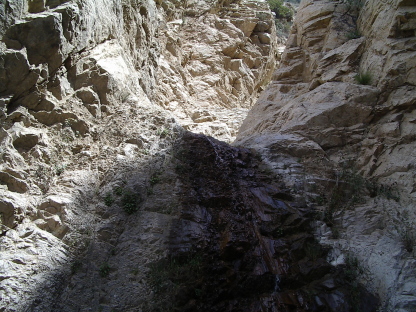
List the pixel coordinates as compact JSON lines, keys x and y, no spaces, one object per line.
{"x":223,"y":68}
{"x":13,"y":183}
{"x":321,"y":74}
{"x":52,"y":48}
{"x":7,"y":212}
{"x":94,"y":191}
{"x":16,"y":75}
{"x":91,"y":101}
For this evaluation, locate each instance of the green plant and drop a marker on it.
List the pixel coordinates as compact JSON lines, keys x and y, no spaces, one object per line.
{"x":282,"y":27}
{"x":363,"y":78}
{"x":262,"y":15}
{"x":166,"y":275}
{"x":76,"y":266}
{"x":387,"y":191}
{"x":104,"y":269}
{"x":320,"y":200}
{"x":355,"y":34}
{"x":163,"y":132}
{"x":59,"y":169}
{"x":118,"y":191}
{"x":353,"y":269}
{"x":313,"y":251}
{"x":108,"y":199}
{"x":130,"y":202}
{"x":351,"y":273}
{"x":281,"y":10}
{"x":355,"y":4}
{"x":349,"y":189}
{"x":154,"y":179}
{"x":329,"y":215}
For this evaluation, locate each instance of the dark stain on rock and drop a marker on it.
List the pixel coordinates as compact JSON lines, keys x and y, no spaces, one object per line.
{"x":241,"y":244}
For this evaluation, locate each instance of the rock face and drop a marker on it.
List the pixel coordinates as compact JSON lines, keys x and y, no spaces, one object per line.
{"x":215,"y":60}
{"x":341,"y":105}
{"x":84,"y":87}
{"x":208,"y":228}
{"x":108,"y":204}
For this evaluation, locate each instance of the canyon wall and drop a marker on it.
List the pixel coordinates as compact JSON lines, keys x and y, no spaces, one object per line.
{"x":337,"y":121}
{"x":108,"y":204}
{"x":214,"y":62}
{"x":87,"y":92}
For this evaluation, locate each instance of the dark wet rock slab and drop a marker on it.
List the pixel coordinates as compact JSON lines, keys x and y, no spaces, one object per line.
{"x":240,"y":242}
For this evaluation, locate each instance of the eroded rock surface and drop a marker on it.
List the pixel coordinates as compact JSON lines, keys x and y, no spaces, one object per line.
{"x":339,"y":106}
{"x":79,"y":82}
{"x":106,"y":204}
{"x":212,"y":230}
{"x":215,"y":61}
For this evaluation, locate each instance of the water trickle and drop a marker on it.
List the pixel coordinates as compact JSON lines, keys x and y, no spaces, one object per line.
{"x":276,"y":285}
{"x":217,"y":156}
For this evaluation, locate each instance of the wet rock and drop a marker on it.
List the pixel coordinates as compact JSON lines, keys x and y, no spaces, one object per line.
{"x":252,"y":249}
{"x":346,"y":47}
{"x":328,"y":284}
{"x":336,"y":301}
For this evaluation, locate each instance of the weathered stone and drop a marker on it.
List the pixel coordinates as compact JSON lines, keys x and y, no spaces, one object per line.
{"x":87,"y":96}
{"x":264,"y":38}
{"x":16,"y":75}
{"x":262,"y":26}
{"x":42,"y":48}
{"x":196,"y":75}
{"x":36,"y":6}
{"x":13,"y":183}
{"x":7,"y":213}
{"x":202,"y":62}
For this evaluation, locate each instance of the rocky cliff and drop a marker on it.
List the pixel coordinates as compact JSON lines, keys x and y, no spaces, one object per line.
{"x":108,"y":203}
{"x":87,"y":101}
{"x":215,"y":60}
{"x":337,"y":121}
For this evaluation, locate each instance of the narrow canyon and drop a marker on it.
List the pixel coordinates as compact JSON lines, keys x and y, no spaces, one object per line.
{"x":208,"y":155}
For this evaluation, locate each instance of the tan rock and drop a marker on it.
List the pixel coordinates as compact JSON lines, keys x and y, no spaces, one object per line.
{"x":16,"y":75}
{"x":222,"y":67}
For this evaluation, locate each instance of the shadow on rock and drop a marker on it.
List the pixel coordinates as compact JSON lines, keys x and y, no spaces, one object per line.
{"x":203,"y":226}
{"x":241,"y":243}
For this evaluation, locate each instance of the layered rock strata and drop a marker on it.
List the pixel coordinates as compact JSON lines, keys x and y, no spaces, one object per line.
{"x":336,"y":121}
